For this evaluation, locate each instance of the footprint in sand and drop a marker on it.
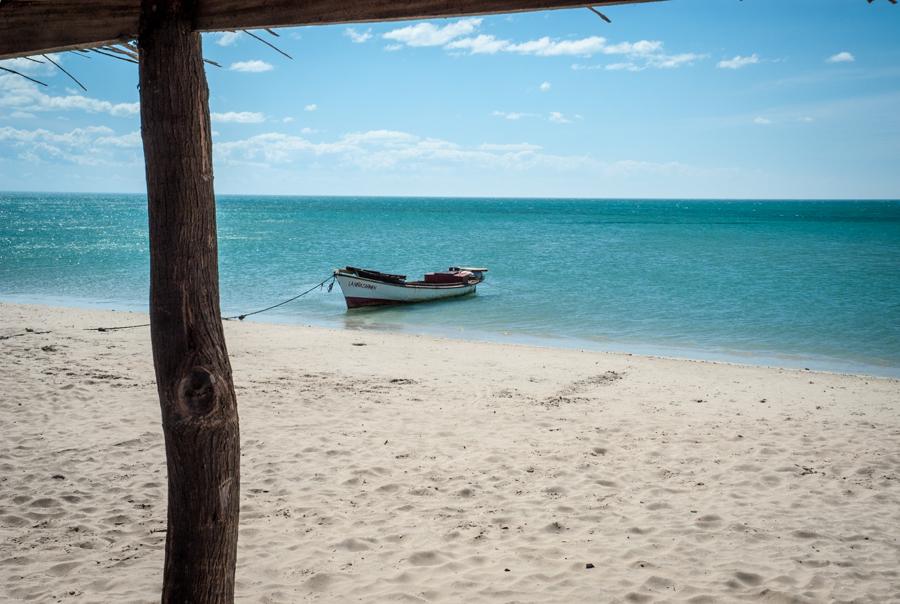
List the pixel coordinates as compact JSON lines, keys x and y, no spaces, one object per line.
{"x":319,"y":582}
{"x":657,"y":583}
{"x":44,"y":502}
{"x":751,"y":579}
{"x":426,"y":558}
{"x":11,"y":521}
{"x":709,"y":521}
{"x":803,"y":534}
{"x":62,"y":569}
{"x":352,"y":545}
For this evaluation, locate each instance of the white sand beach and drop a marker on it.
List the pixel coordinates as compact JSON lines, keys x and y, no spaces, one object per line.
{"x":385,"y":467}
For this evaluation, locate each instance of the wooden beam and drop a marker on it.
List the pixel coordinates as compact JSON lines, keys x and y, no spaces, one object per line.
{"x":193,"y":373}
{"x":30,"y":27}
{"x":244,"y":14}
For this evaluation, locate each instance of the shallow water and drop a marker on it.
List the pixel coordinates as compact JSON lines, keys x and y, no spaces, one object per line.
{"x":797,"y":283}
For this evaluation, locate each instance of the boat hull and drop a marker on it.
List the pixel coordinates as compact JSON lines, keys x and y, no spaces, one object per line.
{"x":360,"y":292}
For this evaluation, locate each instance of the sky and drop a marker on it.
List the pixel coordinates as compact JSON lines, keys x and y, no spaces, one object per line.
{"x":680,"y":99}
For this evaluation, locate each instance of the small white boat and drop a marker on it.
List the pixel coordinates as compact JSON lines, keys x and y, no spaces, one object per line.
{"x":364,"y":287}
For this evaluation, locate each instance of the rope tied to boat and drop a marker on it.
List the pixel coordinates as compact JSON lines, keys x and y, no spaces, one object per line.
{"x":241,"y":317}
{"x":300,"y":295}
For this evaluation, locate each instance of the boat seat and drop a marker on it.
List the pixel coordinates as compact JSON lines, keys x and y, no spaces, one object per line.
{"x":444,"y":278}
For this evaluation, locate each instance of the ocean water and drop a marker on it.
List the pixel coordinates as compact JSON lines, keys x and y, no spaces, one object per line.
{"x":791,"y":283}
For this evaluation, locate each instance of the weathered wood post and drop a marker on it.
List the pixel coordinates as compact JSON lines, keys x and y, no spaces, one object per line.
{"x":193,"y":374}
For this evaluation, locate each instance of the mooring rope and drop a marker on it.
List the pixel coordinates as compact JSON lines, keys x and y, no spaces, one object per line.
{"x":300,"y":295}
{"x":232,"y":318}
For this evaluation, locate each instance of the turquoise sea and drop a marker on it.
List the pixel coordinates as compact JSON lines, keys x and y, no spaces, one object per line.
{"x":792,"y":283}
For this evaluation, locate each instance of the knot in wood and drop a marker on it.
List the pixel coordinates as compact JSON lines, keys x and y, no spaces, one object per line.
{"x":197,"y":392}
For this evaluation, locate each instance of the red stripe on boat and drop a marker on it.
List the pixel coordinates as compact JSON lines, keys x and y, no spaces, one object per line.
{"x":354,"y":302}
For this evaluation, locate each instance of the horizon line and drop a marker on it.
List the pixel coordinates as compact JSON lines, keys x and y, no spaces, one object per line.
{"x":504,"y":197}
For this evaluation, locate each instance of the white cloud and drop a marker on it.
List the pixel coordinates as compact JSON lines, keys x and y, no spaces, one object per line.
{"x":510,"y":147}
{"x":311,"y":107}
{"x":383,"y":150}
{"x":375,"y":151}
{"x":641,"y":47}
{"x":254,"y":66}
{"x":94,"y":105}
{"x":451,"y":37}
{"x":673,"y":61}
{"x":38,"y":67}
{"x":382,"y":137}
{"x":545,"y":87}
{"x":738,"y":61}
{"x":358,"y":37}
{"x":90,"y":146}
{"x":647,"y":50}
{"x":512,"y":115}
{"x":238,"y":117}
{"x":287,"y":120}
{"x":628,"y":66}
{"x":646,"y":59}
{"x":458,"y":36}
{"x":547,"y":47}
{"x":19,"y":94}
{"x":554,"y":116}
{"x":73,"y":137}
{"x":378,"y":149}
{"x":23,"y":66}
{"x":124,"y":141}
{"x":481,"y":44}
{"x":841,"y":57}
{"x":762,"y":121}
{"x":427,"y":34}
{"x":228,"y":38}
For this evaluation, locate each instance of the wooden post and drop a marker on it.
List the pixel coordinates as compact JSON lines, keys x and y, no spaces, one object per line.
{"x":193,"y":374}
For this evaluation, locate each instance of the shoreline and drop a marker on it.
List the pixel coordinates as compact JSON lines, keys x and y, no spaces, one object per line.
{"x":379,"y":467}
{"x":762,"y":359}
